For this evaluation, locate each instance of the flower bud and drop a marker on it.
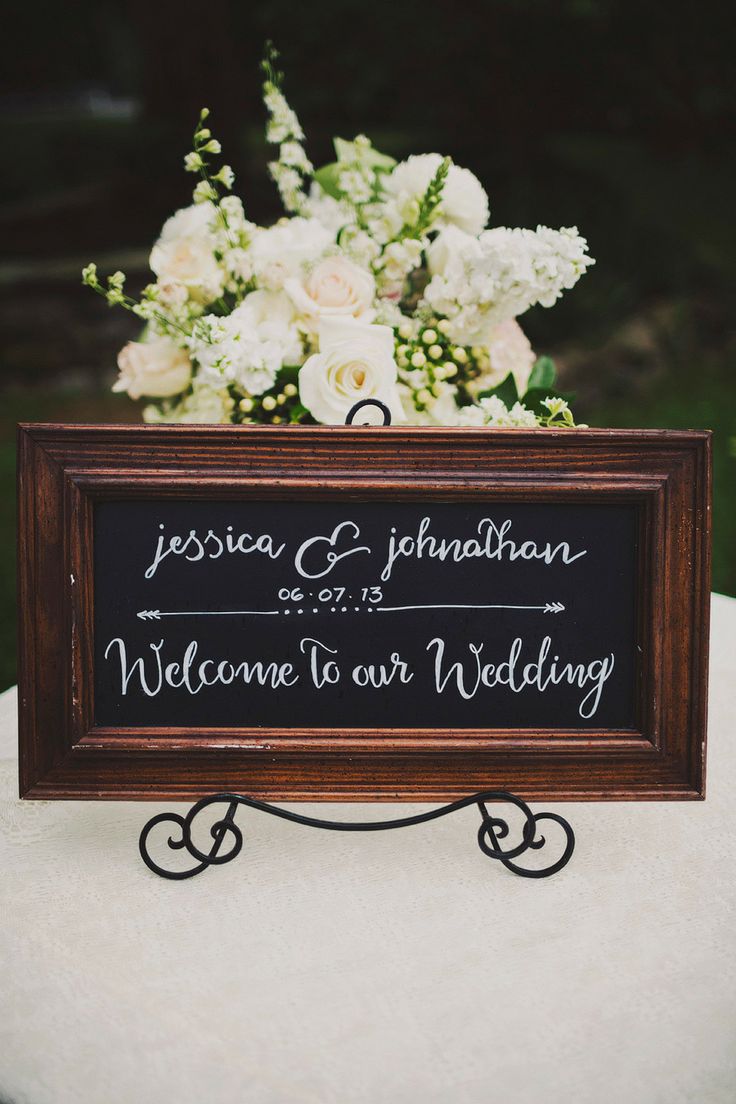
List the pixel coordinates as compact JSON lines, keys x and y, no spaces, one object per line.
{"x":225,"y":176}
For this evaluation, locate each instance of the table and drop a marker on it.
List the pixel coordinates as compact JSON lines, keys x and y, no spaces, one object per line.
{"x":399,"y":967}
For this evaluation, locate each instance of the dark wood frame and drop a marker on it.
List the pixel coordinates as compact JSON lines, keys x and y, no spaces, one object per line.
{"x":63,"y":469}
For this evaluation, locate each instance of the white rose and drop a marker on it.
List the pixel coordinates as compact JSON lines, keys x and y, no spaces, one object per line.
{"x":335,"y":286}
{"x":157,"y":368}
{"x":464,"y":202}
{"x":355,"y":362}
{"x":280,"y":251}
{"x":185,"y":252}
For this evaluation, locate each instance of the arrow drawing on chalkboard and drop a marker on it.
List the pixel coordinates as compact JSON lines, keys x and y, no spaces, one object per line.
{"x":548,"y":607}
{"x":156,"y":615}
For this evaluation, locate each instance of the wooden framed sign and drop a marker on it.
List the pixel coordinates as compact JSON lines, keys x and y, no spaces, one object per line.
{"x":347,"y":613}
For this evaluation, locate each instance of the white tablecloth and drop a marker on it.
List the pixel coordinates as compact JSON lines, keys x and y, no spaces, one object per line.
{"x":389,"y":968}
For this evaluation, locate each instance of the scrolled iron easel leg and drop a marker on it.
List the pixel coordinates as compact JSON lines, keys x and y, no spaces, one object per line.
{"x":491,"y":832}
{"x":494,"y":829}
{"x":219,"y":831}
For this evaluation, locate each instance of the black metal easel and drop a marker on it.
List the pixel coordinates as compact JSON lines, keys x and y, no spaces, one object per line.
{"x":492,"y":829}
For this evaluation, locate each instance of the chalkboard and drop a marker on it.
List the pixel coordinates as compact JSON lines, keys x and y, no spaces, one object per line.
{"x":349,"y":613}
{"x":379,"y":614}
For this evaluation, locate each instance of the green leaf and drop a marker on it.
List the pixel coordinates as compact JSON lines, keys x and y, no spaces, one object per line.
{"x":536,"y":395}
{"x":505,"y":391}
{"x":288,"y":373}
{"x":543,"y":374}
{"x":349,"y":152}
{"x":327,"y":178}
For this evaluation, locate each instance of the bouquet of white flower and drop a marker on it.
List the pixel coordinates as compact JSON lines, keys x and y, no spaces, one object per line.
{"x":383,"y":283}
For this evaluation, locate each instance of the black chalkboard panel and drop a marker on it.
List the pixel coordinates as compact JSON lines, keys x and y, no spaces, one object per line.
{"x":341,"y":615}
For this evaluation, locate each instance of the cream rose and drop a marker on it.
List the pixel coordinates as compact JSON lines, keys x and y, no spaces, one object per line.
{"x":336,"y":287}
{"x":509,"y":350}
{"x":355,"y":362}
{"x":157,"y":368}
{"x":185,"y":252}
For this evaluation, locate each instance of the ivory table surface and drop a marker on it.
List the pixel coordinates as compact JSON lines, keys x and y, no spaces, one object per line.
{"x":388,"y":968}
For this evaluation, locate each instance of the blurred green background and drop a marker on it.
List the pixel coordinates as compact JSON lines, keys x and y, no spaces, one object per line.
{"x":613,"y":116}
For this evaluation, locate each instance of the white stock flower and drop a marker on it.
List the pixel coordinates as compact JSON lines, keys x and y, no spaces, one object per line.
{"x":331,"y":213}
{"x":232,"y":208}
{"x":397,"y":261}
{"x":231,"y":350}
{"x":450,"y":243}
{"x":248,"y":347}
{"x":384,"y":220}
{"x":335,"y":286}
{"x":280,"y":252}
{"x":479,"y":284}
{"x":388,"y":313}
{"x":494,"y":412}
{"x":205,"y":405}
{"x":156,"y":368}
{"x":359,"y":246}
{"x":436,"y":410}
{"x":464,"y":202}
{"x":292,"y":154}
{"x":283,"y":123}
{"x":355,"y":362}
{"x":185,"y":251}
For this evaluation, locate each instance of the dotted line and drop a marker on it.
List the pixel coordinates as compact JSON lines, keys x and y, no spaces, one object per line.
{"x":333,"y":609}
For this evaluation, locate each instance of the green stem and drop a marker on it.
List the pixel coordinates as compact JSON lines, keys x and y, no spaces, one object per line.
{"x":129,"y":304}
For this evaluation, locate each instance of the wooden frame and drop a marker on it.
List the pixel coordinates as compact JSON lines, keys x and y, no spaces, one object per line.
{"x":64,"y":469}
